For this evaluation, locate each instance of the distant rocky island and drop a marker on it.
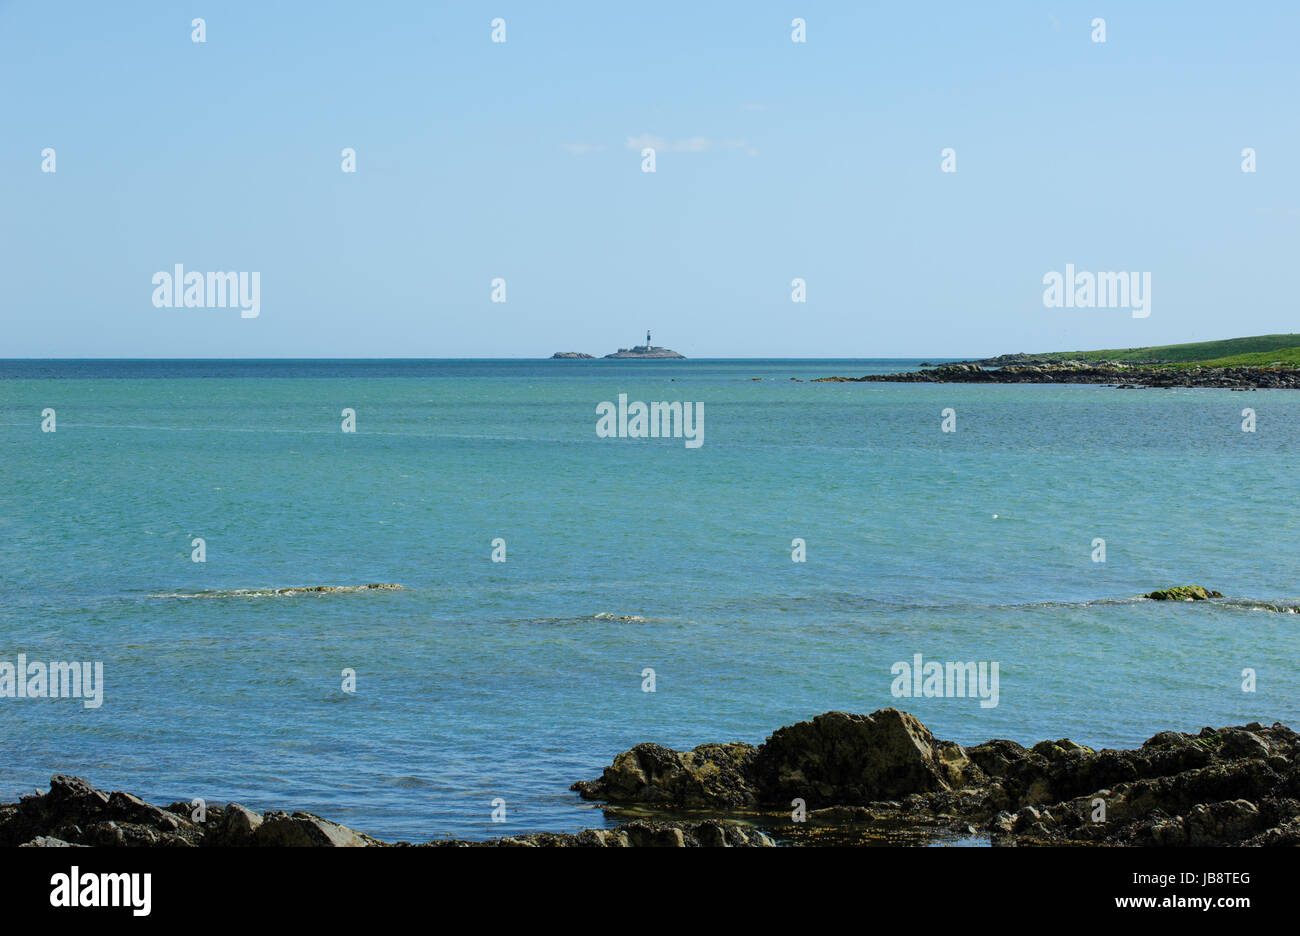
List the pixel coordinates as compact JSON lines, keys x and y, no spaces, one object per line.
{"x":646,"y":351}
{"x":1259,"y":362}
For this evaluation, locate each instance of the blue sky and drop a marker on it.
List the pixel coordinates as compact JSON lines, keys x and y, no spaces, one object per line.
{"x":522,"y":160}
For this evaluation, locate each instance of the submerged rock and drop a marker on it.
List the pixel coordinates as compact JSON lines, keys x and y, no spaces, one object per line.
{"x":330,"y":589}
{"x":284,"y":592}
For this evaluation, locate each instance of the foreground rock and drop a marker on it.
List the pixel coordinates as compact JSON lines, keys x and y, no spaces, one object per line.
{"x":873,"y":777}
{"x":642,"y":833}
{"x":75,"y":814}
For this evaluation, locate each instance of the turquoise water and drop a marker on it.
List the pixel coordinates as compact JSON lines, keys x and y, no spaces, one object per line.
{"x":515,"y":679}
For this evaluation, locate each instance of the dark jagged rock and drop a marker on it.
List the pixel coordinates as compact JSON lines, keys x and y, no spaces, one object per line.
{"x":571,"y":356}
{"x":711,"y":775}
{"x":77,"y":813}
{"x":844,"y":759}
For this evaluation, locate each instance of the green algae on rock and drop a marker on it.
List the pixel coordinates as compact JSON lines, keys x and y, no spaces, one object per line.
{"x":1183,"y":593}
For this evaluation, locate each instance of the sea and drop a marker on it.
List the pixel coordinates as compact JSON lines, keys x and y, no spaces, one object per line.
{"x":468,"y":702}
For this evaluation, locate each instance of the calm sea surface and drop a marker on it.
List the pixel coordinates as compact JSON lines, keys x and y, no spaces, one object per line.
{"x":513,"y":680}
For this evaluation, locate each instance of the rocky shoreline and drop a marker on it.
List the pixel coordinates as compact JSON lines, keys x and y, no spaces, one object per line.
{"x":873,"y":779}
{"x":1123,"y":376}
{"x":839,"y":779}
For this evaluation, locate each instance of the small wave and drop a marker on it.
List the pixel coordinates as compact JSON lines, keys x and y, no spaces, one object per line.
{"x":621,"y":618}
{"x":1237,"y":604}
{"x":1250,"y":604}
{"x":281,"y":592}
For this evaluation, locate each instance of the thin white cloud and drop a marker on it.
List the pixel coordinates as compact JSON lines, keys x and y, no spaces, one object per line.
{"x":691,"y":145}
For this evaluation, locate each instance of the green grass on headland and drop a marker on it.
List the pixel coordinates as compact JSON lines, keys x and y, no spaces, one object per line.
{"x":1282,"y":357}
{"x":1259,"y":351}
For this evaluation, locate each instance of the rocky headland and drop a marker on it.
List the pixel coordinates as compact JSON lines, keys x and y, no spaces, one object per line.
{"x":1121,"y":375}
{"x":859,"y":780}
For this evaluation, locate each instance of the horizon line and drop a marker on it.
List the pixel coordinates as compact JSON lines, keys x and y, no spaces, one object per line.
{"x":470,"y":358}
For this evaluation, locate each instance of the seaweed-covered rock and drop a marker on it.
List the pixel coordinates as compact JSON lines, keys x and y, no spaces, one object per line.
{"x":1183,"y":593}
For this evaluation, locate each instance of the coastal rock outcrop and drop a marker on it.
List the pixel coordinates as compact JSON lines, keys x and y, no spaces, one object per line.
{"x":837,"y":758}
{"x":870,"y":777}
